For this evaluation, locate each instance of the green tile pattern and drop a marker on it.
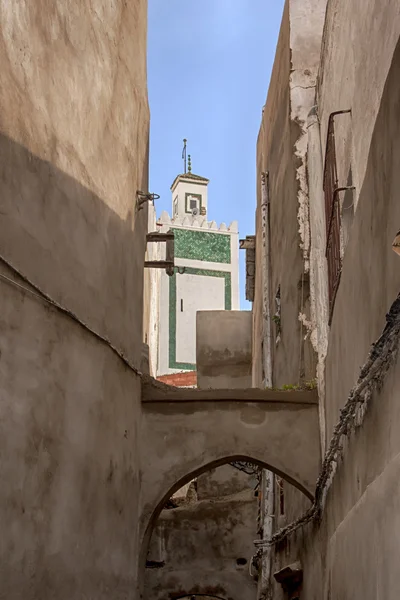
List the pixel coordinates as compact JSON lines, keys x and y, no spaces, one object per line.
{"x":202,"y":245}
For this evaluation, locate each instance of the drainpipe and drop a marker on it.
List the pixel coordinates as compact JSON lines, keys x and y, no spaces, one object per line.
{"x":267,"y":348}
{"x":318,"y":264}
{"x":268,"y":478}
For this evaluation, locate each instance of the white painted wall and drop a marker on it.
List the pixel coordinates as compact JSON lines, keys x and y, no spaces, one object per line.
{"x":152,"y":296}
{"x":198,"y":292}
{"x":163,"y":328}
{"x":234,"y":266}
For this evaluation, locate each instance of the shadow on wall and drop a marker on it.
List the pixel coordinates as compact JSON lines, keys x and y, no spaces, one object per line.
{"x":70,"y":408}
{"x":202,"y":546}
{"x":72,"y":244}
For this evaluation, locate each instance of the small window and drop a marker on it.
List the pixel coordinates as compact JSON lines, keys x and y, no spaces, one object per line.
{"x":176,"y":206}
{"x":192,"y":202}
{"x":336,"y":237}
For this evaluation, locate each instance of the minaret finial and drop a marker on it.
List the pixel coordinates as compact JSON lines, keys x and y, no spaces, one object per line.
{"x":189,"y":163}
{"x":184,"y":155}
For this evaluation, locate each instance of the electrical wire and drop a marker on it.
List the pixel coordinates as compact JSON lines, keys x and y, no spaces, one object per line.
{"x":38,"y":293}
{"x":381,"y":356}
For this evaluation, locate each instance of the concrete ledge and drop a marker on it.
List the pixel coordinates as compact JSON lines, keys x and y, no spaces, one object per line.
{"x":155,"y":391}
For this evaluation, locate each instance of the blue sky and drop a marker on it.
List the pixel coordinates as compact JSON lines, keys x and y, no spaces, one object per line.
{"x":209,"y":65}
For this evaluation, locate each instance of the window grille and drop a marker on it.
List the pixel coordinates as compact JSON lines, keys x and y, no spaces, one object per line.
{"x":332,"y":211}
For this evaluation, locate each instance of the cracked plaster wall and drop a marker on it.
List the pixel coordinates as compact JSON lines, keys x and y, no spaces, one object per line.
{"x":282,"y":151}
{"x":344,"y":556}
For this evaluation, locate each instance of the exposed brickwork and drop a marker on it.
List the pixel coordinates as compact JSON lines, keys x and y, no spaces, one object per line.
{"x":183,"y":379}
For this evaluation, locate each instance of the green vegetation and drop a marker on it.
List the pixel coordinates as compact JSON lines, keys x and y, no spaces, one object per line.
{"x":300,"y":387}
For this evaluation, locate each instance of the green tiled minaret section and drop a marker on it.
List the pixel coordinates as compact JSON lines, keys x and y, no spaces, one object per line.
{"x":172,"y":309}
{"x":202,"y":245}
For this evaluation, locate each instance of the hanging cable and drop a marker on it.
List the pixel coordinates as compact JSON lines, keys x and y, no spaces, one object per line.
{"x":381,"y":356}
{"x":41,"y":295}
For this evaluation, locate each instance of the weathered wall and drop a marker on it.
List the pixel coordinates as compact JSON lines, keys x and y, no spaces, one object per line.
{"x":354,"y":551}
{"x":223,"y":481}
{"x":276,"y":108}
{"x":349,"y":44}
{"x":181,"y":439}
{"x":200,"y":544}
{"x":363,"y":94}
{"x":365,"y":490}
{"x":73,"y":152}
{"x":281,"y":151}
{"x":223,"y":349}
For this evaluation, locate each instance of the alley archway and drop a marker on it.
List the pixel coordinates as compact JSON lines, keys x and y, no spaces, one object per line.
{"x":203,"y":540}
{"x":185,"y":432}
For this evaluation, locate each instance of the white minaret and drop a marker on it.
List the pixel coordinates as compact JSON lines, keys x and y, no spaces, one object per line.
{"x":206,"y":272}
{"x":189,"y":195}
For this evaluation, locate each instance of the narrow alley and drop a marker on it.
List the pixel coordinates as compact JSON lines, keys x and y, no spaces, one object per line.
{"x":169,"y":428}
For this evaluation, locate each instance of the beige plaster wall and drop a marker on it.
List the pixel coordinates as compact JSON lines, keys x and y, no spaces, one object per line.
{"x":223,"y":481}
{"x":354,"y":551}
{"x":365,"y":489}
{"x":364,"y":95}
{"x":359,"y":40}
{"x":200,"y":544}
{"x":223,"y":349}
{"x":73,"y":151}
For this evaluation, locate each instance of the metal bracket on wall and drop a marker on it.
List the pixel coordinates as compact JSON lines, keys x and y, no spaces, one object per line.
{"x":143,"y":197}
{"x":169,"y":263}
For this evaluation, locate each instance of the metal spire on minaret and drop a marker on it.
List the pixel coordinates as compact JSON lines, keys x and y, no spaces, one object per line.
{"x":184,"y":155}
{"x":189,"y":164}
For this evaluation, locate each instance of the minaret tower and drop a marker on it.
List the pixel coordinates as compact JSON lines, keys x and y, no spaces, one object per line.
{"x":189,"y":194}
{"x":206,"y":270}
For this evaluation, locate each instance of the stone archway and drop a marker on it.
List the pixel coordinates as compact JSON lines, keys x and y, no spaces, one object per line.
{"x":187,"y":431}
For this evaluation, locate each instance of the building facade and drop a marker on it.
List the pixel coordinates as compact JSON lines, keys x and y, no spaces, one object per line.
{"x":206,"y":274}
{"x":74,"y":149}
{"x":327,"y":171}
